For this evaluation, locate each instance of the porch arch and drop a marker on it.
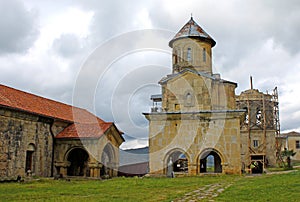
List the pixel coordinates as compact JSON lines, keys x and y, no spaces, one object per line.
{"x":210,"y":161}
{"x":176,"y":160}
{"x":108,"y":160}
{"x":78,"y":159}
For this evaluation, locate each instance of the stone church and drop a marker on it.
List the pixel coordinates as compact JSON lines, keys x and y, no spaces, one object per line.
{"x":46,"y":138}
{"x":198,"y":124}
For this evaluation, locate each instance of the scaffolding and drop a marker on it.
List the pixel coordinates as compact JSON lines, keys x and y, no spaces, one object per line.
{"x":261,"y":120}
{"x":279,"y":158}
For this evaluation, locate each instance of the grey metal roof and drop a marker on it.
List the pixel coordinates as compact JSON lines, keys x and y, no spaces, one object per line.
{"x":154,"y":97}
{"x":192,"y":30}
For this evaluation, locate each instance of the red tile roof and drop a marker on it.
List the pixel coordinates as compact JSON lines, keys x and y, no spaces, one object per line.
{"x":20,"y":100}
{"x":83,"y":123}
{"x":86,"y":130}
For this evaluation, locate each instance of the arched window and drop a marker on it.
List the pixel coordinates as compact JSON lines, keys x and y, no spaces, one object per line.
{"x":175,"y":56}
{"x":189,"y":55}
{"x":246,"y":120}
{"x":258,"y":117}
{"x":189,"y":98}
{"x":204,"y":55}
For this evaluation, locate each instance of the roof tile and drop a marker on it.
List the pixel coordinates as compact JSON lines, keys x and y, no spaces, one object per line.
{"x":16,"y":99}
{"x":79,"y":130}
{"x":83,"y":123}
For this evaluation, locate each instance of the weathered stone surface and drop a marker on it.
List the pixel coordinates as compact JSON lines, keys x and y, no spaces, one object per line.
{"x":201,"y":115}
{"x":28,"y":140}
{"x":18,"y":131}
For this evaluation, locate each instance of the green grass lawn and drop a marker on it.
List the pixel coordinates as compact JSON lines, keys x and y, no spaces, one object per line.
{"x":276,"y":187}
{"x":285,"y":187}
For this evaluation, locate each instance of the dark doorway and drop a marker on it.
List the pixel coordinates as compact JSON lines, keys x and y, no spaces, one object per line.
{"x":29,"y":164}
{"x":257,"y":167}
{"x":257,"y":164}
{"x":210,"y":162}
{"x":79,"y":159}
{"x":29,"y":155}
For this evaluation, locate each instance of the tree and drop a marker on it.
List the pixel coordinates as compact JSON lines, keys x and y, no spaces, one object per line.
{"x":287,"y":154}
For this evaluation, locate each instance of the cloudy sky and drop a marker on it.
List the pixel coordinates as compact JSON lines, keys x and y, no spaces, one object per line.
{"x":107,"y":56}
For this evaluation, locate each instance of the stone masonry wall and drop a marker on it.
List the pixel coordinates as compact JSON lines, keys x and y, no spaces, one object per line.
{"x":19,"y":131}
{"x":194,"y":135}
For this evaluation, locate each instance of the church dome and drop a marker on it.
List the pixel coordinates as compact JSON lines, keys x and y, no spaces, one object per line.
{"x":192,"y":30}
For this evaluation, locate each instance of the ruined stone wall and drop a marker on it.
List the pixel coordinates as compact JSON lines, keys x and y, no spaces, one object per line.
{"x":20,"y":131}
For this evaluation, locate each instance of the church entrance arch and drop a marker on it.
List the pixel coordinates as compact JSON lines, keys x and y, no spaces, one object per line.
{"x":107,"y":160}
{"x":176,"y":161}
{"x":210,"y":161}
{"x":78,"y":158}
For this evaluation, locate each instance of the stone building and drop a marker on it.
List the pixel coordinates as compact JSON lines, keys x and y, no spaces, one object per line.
{"x":291,"y":141}
{"x":47,"y":138}
{"x":259,"y":128}
{"x":196,"y":124}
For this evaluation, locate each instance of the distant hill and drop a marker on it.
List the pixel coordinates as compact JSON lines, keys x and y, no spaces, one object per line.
{"x":141,"y":155}
{"x":132,"y":156}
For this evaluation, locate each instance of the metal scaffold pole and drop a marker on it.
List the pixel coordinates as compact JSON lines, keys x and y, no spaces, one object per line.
{"x":277,"y":126}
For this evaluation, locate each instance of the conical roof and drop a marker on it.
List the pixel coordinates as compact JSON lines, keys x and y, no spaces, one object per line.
{"x":192,"y":30}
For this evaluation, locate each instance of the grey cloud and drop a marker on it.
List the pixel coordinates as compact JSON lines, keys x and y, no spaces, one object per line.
{"x":241,"y":29}
{"x":43,"y":77}
{"x":112,"y":17}
{"x":67,"y":45}
{"x":18,"y":27}
{"x":282,"y":22}
{"x":290,"y":120}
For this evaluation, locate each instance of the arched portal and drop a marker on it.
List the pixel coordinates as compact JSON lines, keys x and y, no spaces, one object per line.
{"x":107,"y":160}
{"x":210,"y":162}
{"x":78,"y":159}
{"x":176,"y":161}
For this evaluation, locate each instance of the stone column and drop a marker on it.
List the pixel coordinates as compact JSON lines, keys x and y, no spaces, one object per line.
{"x":113,"y":169}
{"x":192,"y":168}
{"x":95,"y":169}
{"x":63,"y":167}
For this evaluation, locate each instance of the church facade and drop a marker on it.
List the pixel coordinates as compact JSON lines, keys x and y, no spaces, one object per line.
{"x":196,"y":124}
{"x":48,"y":138}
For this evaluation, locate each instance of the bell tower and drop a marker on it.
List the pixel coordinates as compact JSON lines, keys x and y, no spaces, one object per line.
{"x":192,"y":49}
{"x":200,"y":116}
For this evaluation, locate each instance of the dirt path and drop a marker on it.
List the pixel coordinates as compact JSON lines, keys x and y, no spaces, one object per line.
{"x":281,"y":172}
{"x":207,"y":192}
